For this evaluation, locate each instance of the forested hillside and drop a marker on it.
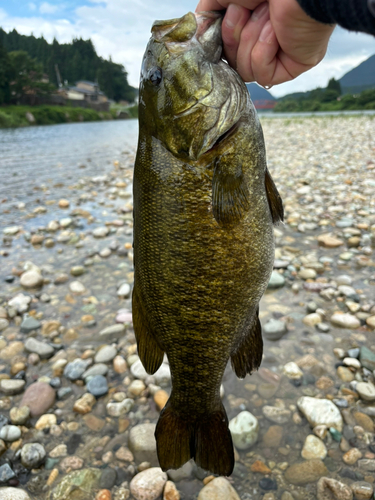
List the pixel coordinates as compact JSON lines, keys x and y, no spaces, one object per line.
{"x":77,"y":60}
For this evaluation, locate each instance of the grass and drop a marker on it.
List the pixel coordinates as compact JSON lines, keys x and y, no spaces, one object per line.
{"x":15,"y":116}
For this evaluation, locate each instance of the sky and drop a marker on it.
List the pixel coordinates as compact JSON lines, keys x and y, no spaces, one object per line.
{"x":121,"y":29}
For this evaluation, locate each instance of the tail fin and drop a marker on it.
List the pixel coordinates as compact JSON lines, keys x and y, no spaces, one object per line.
{"x":208,"y":441}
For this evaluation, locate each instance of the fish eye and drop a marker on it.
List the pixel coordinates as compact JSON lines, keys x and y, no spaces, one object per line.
{"x":155,"y":76}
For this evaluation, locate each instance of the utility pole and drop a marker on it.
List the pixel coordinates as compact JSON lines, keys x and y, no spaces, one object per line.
{"x":59,"y":83}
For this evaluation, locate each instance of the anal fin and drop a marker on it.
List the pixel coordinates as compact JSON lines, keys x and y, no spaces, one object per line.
{"x":149,"y":351}
{"x":248,"y":356}
{"x":274,"y":199}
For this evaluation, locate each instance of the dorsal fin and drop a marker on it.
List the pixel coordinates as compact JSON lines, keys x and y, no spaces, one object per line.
{"x":175,"y":30}
{"x":274,"y":199}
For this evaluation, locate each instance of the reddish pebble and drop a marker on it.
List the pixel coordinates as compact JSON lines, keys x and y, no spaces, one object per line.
{"x":39,"y":397}
{"x":103,"y":495}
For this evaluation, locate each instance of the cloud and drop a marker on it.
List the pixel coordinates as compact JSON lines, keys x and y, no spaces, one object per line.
{"x":31,"y":6}
{"x":121,"y":29}
{"x":47,"y":8}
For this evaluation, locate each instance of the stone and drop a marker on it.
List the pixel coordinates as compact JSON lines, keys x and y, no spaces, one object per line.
{"x":352,"y":456}
{"x":345,"y":374}
{"x":46,"y":421}
{"x":170,"y":491}
{"x":119,"y":364}
{"x":330,"y":489}
{"x":75,"y":369}
{"x":12,"y":386}
{"x":274,"y":329}
{"x":113,"y":332}
{"x":366,"y":465}
{"x":77,"y":270}
{"x":306,"y":274}
{"x":10,"y":433}
{"x":292,"y":371}
{"x":362,"y":490}
{"x":59,"y":451}
{"x":4,"y":323}
{"x":39,"y":397}
{"x":64,"y":203}
{"x":121,"y":408}
{"x":142,"y":443}
{"x":272,"y":438}
{"x":277,"y":280}
{"x":49,"y":327}
{"x":124,"y":454}
{"x":244,"y":429}
{"x":312,"y":319}
{"x":32,"y":455}
{"x":100,"y":232}
{"x":108,"y":478}
{"x":105,"y":354}
{"x":97,"y":369}
{"x":367,"y":358}
{"x":313,"y":448}
{"x":94,"y":423}
{"x":218,"y":489}
{"x":43,"y":350}
{"x":124,"y":290}
{"x":97,"y":386}
{"x":77,"y":287}
{"x":20,"y":302}
{"x":13,"y":493}
{"x":148,"y":484}
{"x":305,"y":472}
{"x":136,"y":388}
{"x":370,"y":322}
{"x":345,"y":320}
{"x":82,"y":482}
{"x":84,"y":404}
{"x":29,"y":324}
{"x":261,"y":467}
{"x":329,"y":241}
{"x":11,"y":350}
{"x":366,"y":391}
{"x":161,"y":397}
{"x":11,"y":230}
{"x":276,"y":414}
{"x":320,"y":412}
{"x":71,"y":463}
{"x":364,"y":421}
{"x":31,"y":279}
{"x":19,"y":416}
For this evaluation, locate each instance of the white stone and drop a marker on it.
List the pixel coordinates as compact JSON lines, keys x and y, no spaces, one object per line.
{"x":313,"y":448}
{"x":11,"y":230}
{"x":105,"y":354}
{"x":100,"y":232}
{"x":366,"y":391}
{"x":31,"y":279}
{"x":276,"y":414}
{"x":10,"y":433}
{"x":77,"y":287}
{"x":13,"y":494}
{"x":346,"y":290}
{"x":345,"y":321}
{"x":312,"y":319}
{"x":148,"y":484}
{"x":218,"y":489}
{"x":292,"y":371}
{"x":162,"y":375}
{"x":121,"y":408}
{"x":320,"y":412}
{"x":244,"y":429}
{"x":136,"y":387}
{"x":353,"y":362}
{"x":124,"y":290}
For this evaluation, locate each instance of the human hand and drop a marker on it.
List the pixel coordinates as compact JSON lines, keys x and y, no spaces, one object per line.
{"x":271,"y":41}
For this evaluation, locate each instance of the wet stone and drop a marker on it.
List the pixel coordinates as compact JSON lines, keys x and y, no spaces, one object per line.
{"x":12,"y":386}
{"x":82,"y":482}
{"x":97,"y":369}
{"x":121,"y":408}
{"x":320,"y":412}
{"x":32,"y":455}
{"x":10,"y":493}
{"x":43,"y":350}
{"x":29,"y":324}
{"x":148,"y":484}
{"x":267,"y":484}
{"x":277,"y":415}
{"x":39,"y":397}
{"x":305,"y":472}
{"x":105,"y":354}
{"x":244,"y":429}
{"x":142,"y":443}
{"x":366,"y":391}
{"x":108,"y":478}
{"x":75,"y":369}
{"x":97,"y":386}
{"x":19,"y":416}
{"x":10,"y":433}
{"x":367,"y":358}
{"x":277,"y":280}
{"x":6,"y":473}
{"x":362,"y":490}
{"x":112,"y":332}
{"x":313,"y":448}
{"x":274,"y":329}
{"x":218,"y":489}
{"x":330,"y":489}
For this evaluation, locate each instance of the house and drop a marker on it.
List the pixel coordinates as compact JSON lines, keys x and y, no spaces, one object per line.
{"x":85,"y":91}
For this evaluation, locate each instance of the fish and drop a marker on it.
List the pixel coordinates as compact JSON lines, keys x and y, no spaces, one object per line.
{"x":204,"y":208}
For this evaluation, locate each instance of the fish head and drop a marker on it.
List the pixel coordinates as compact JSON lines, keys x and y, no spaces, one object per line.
{"x":189,"y":96}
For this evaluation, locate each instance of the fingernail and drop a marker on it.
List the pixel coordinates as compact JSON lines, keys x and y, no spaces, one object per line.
{"x":266,"y":32}
{"x":259,"y":11}
{"x":232,"y":15}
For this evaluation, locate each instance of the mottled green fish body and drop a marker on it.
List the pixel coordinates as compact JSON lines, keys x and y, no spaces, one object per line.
{"x":204,"y":204}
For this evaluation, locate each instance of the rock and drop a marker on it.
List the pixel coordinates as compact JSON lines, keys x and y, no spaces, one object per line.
{"x":330,"y":489}
{"x":306,"y":274}
{"x":218,"y":489}
{"x":12,"y":386}
{"x":10,"y":433}
{"x":161,"y":397}
{"x":313,"y":448}
{"x":138,"y":371}
{"x":136,"y":388}
{"x":97,"y":386}
{"x":366,"y":391}
{"x":367,"y":358}
{"x":43,"y":350}
{"x":312,"y":319}
{"x":124,"y":454}
{"x":119,"y":365}
{"x":75,"y":369}
{"x":20,"y":302}
{"x":292,"y":371}
{"x":329,"y":241}
{"x":305,"y":472}
{"x":77,"y":287}
{"x":59,"y":451}
{"x":100,"y":232}
{"x":39,"y":397}
{"x":108,"y":479}
{"x":19,"y":416}
{"x":11,"y":230}
{"x":6,"y":473}
{"x":29,"y":324}
{"x":272,"y":438}
{"x":77,"y":270}
{"x":46,"y":421}
{"x":71,"y":463}
{"x":261,"y":467}
{"x":276,"y":414}
{"x":320,"y":412}
{"x":277,"y":280}
{"x":142,"y":443}
{"x":364,"y":421}
{"x":367,"y":465}
{"x":345,"y":374}
{"x":274,"y":329}
{"x":4,"y":323}
{"x":170,"y":491}
{"x":113,"y":332}
{"x":148,"y":484}
{"x":345,"y":321}
{"x":82,"y":482}
{"x":124,"y":290}
{"x":105,"y":354}
{"x":97,"y":369}
{"x":51,"y":326}
{"x":32,"y":455}
{"x":13,"y":493}
{"x":31,"y":279}
{"x":362,"y":490}
{"x":84,"y":404}
{"x":244,"y":429}
{"x":121,"y":408}
{"x":352,"y":456}
{"x":64,"y":203}
{"x":163,"y":375}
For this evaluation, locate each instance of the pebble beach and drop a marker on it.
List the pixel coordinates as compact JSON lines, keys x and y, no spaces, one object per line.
{"x":77,"y":409}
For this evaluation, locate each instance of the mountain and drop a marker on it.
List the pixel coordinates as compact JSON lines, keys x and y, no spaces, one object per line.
{"x":261,"y":98}
{"x":360,"y":78}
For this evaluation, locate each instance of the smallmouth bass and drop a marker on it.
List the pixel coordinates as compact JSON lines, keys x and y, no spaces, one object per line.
{"x":204,"y":205}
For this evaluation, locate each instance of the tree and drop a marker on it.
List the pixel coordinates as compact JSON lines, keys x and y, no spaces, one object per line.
{"x":333,"y":84}
{"x":5,"y":76}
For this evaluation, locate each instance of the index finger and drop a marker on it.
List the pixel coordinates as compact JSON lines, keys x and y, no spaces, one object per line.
{"x":206,"y":5}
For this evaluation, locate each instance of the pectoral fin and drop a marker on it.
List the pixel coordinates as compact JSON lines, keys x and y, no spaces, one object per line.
{"x":274,"y":199}
{"x":149,"y":351}
{"x":230,"y":194}
{"x":248,"y":356}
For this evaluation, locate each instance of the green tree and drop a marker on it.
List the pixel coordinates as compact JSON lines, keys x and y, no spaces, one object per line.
{"x":333,"y":84}
{"x":5,"y":76}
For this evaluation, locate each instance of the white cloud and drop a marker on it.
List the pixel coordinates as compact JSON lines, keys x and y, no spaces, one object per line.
{"x":31,"y":6}
{"x":47,"y":8}
{"x":121,"y":29}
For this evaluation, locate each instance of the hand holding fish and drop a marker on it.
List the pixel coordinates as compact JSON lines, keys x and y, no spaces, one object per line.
{"x":270,"y":42}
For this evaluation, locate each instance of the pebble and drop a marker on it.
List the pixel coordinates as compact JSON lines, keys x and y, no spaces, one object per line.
{"x":4,"y":323}
{"x":218,"y":489}
{"x":292,"y":371}
{"x":142,"y":443}
{"x":305,"y":472}
{"x":312,"y":319}
{"x":362,"y":490}
{"x":170,"y":491}
{"x":13,"y":493}
{"x":136,"y":388}
{"x":71,"y":463}
{"x":277,"y":415}
{"x":82,"y":483}
{"x":244,"y":429}
{"x":367,"y":465}
{"x":20,"y":302}
{"x":6,"y":473}
{"x":345,"y":374}
{"x":367,"y":358}
{"x":345,"y":321}
{"x":32,"y":455}
{"x":77,"y":270}
{"x":75,"y":369}
{"x":320,"y":412}
{"x":63,"y":203}
{"x":10,"y":433}
{"x":119,"y":364}
{"x":39,"y":397}
{"x":124,"y":454}
{"x":366,"y":391}
{"x":97,"y":369}
{"x":105,"y":354}
{"x":352,"y":456}
{"x":313,"y":448}
{"x":124,"y":290}
{"x":161,"y":397}
{"x":29,"y":324}
{"x":46,"y":421}
{"x":100,"y":232}
{"x":277,"y":280}
{"x":329,"y":241}
{"x":12,"y":386}
{"x":19,"y":416}
{"x":97,"y":386}
{"x":84,"y":404}
{"x":148,"y":484}
{"x":77,"y":287}
{"x":274,"y":329}
{"x":31,"y":279}
{"x":59,"y":451}
{"x":112,"y":332}
{"x":330,"y":489}
{"x":43,"y":350}
{"x":121,"y":408}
